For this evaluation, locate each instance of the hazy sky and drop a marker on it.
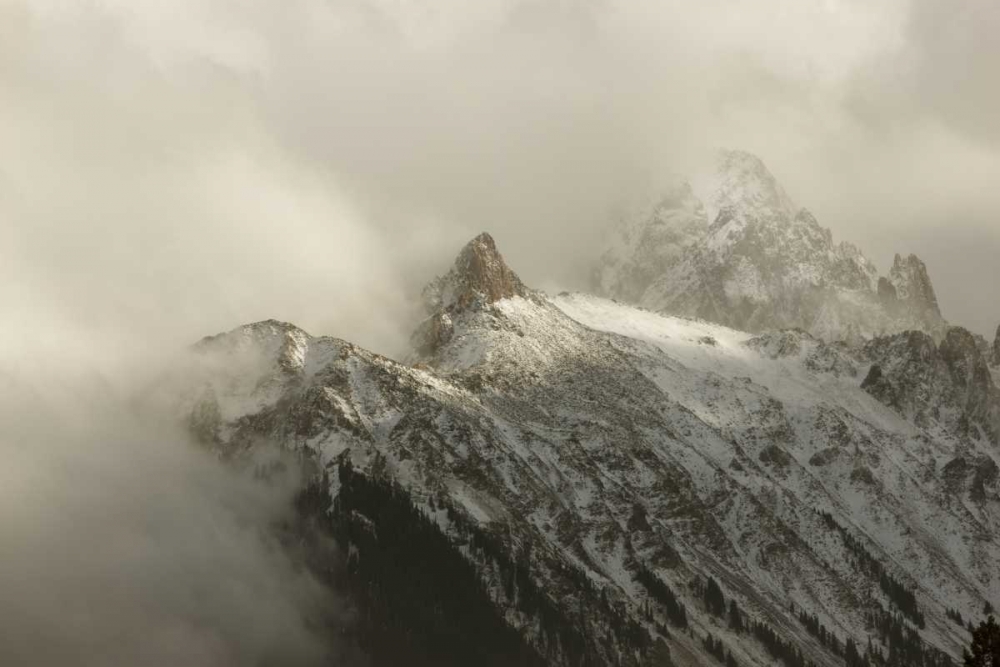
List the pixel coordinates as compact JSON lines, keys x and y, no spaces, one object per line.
{"x":173,"y":168}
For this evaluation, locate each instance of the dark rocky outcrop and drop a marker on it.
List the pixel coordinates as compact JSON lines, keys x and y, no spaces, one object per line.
{"x":977,"y":477}
{"x":479,"y":272}
{"x":914,"y":293}
{"x":995,"y":356}
{"x":480,"y":276}
{"x":949,"y":384}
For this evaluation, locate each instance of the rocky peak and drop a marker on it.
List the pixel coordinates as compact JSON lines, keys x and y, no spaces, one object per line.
{"x":479,"y":277}
{"x":736,"y":250}
{"x":742,"y":182}
{"x":479,"y":273}
{"x":913,"y":287}
{"x":268,"y":341}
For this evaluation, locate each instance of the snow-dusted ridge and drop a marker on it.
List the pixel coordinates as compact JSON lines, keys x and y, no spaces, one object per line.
{"x":615,"y":440}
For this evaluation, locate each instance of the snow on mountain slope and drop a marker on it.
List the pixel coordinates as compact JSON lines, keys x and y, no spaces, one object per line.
{"x":636,"y":452}
{"x":735,"y":249}
{"x":815,"y":381}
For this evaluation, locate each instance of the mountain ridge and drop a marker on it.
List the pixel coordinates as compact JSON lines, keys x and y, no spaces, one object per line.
{"x":622,"y":464}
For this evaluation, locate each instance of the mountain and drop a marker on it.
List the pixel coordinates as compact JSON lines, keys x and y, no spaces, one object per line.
{"x":570,"y":480}
{"x":739,"y":252}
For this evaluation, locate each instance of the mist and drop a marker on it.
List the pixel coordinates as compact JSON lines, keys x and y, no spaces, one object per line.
{"x":175,"y":169}
{"x":169,"y":170}
{"x":125,"y":544}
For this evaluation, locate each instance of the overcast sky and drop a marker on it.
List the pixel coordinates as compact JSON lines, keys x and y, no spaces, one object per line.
{"x":172,"y":168}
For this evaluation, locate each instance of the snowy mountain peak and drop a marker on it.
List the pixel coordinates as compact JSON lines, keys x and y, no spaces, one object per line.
{"x":739,"y":252}
{"x":742,"y":182}
{"x":479,"y":278}
{"x":281,"y":341}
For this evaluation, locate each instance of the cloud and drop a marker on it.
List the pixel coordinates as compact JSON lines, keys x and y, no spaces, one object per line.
{"x":951,"y":65}
{"x":171,"y":169}
{"x":184,"y":167}
{"x":123,"y":544}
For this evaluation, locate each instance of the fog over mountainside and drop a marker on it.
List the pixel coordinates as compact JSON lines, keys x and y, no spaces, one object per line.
{"x":171,"y":170}
{"x":123,"y":543}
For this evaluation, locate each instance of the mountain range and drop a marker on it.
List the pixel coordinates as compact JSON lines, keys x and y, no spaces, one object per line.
{"x":747,"y":449}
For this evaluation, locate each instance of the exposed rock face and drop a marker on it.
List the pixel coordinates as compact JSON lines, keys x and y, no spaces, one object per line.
{"x":947,"y":385}
{"x":914,"y":292}
{"x":739,"y":252}
{"x":432,"y":333}
{"x":480,"y":276}
{"x":480,"y":272}
{"x":966,"y":365}
{"x":836,"y":358}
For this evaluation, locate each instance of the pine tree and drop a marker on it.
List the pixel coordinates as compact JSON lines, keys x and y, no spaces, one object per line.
{"x":985,"y":649}
{"x":735,"y":617}
{"x":715,"y":601}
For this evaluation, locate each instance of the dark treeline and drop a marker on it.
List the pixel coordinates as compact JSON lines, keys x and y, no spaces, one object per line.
{"x":819,"y":631}
{"x":422,"y":602}
{"x":905,"y":646}
{"x":715,"y":647}
{"x":659,"y":591}
{"x":897,"y":592}
{"x":422,"y":596}
{"x":714,"y":599}
{"x":779,"y":649}
{"x":718,"y":650}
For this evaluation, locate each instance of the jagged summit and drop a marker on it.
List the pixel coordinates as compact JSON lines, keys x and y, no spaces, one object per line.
{"x":914,"y":290}
{"x":479,"y":272}
{"x":479,"y":278}
{"x":738,"y":251}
